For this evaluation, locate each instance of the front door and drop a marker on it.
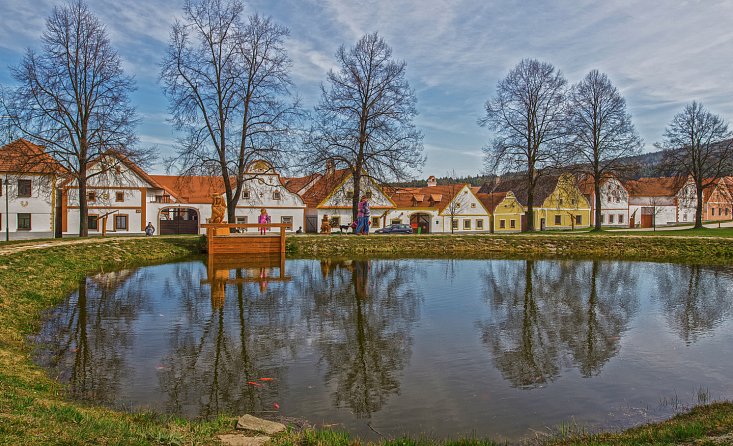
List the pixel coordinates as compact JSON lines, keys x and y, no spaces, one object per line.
{"x":178,"y":221}
{"x":420,"y":223}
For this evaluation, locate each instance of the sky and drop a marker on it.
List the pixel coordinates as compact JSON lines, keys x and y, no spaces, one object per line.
{"x":660,"y":54}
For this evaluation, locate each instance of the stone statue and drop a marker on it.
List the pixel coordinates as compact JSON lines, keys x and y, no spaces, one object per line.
{"x":325,"y":225}
{"x":218,"y":209}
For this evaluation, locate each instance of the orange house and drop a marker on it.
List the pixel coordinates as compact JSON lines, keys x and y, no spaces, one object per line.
{"x":717,"y":201}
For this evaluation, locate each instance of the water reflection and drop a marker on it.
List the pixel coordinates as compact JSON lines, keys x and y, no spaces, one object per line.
{"x":363,"y":312}
{"x":547,"y":316}
{"x":695,"y":299}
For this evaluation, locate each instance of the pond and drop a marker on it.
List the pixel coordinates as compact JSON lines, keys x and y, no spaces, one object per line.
{"x":443,"y":348}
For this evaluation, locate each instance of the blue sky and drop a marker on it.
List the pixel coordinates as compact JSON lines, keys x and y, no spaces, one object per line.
{"x":660,"y":54}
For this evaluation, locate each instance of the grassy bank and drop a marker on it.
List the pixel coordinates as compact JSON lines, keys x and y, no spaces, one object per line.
{"x":665,"y":248}
{"x":34,"y":409}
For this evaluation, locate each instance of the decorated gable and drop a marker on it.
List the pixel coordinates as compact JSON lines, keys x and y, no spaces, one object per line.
{"x":509,"y":205}
{"x":463,"y":202}
{"x":566,"y":195}
{"x":342,"y":195}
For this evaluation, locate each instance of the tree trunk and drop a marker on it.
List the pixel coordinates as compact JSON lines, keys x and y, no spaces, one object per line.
{"x":597,"y":211}
{"x":698,"y":207}
{"x":530,"y":210}
{"x":83,"y":208}
{"x":357,"y":191}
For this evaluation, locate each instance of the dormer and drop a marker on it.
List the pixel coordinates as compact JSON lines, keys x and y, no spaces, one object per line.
{"x":435,"y":198}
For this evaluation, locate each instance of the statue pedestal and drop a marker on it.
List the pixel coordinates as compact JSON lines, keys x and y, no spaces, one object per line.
{"x":221,"y":231}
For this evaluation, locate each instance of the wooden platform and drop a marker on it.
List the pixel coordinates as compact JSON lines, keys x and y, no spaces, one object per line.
{"x":220,"y":239}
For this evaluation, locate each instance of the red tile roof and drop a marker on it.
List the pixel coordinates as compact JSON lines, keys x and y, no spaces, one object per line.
{"x":22,"y":156}
{"x":436,"y":197}
{"x":191,"y":189}
{"x":655,"y":187}
{"x":491,"y":201}
{"x":296,"y":184}
{"x":324,"y":187}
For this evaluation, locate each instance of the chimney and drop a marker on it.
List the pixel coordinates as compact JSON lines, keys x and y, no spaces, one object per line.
{"x":330,"y":167}
{"x":432,"y":182}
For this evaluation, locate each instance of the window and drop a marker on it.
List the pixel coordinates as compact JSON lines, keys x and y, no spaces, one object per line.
{"x":241,"y":220}
{"x":558,"y":220}
{"x":467,"y":225}
{"x":24,"y":188}
{"x":727,"y":211}
{"x":24,"y":222}
{"x":396,"y":221}
{"x":276,"y":195}
{"x":712,"y":212}
{"x":91,"y":196}
{"x":473,"y":205}
{"x":119,"y":196}
{"x":121,"y":223}
{"x":620,"y":218}
{"x":93,"y":222}
{"x":454,"y":224}
{"x":578,"y":219}
{"x":368,"y":194}
{"x":287,"y":220}
{"x":512,"y":224}
{"x":349,"y":194}
{"x":559,"y":202}
{"x":375,"y":222}
{"x":610,"y":219}
{"x":245,"y":194}
{"x":479,"y":225}
{"x":502,"y":224}
{"x":335,"y":222}
{"x":720,"y":211}
{"x":603,"y":218}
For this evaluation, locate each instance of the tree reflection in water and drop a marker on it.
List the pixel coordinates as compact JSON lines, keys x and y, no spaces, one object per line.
{"x":228,"y":343}
{"x":87,"y":336}
{"x":547,"y":316}
{"x":364,"y":312}
{"x":694,"y":299}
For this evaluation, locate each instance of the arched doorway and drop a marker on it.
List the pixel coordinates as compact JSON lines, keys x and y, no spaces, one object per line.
{"x":420,"y":223}
{"x":175,"y":220}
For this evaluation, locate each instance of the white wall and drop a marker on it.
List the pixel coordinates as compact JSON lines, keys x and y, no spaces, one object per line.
{"x":39,"y":205}
{"x":614,"y":202}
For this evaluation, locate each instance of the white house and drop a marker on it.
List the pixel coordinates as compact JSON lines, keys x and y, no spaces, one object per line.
{"x":661,"y":201}
{"x":614,"y":201}
{"x":121,"y":198}
{"x":331,"y":195}
{"x":439,"y":209}
{"x":29,"y":178}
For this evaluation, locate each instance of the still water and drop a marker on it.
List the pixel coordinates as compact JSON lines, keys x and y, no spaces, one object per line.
{"x":443,"y":348}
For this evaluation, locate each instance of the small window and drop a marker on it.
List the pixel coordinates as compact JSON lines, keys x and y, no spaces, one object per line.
{"x":375,"y":222}
{"x":513,"y":224}
{"x":473,"y":205}
{"x":24,"y":188}
{"x":349,"y":194}
{"x":245,"y":194}
{"x":712,"y":212}
{"x":368,"y":194}
{"x":24,"y":222}
{"x":121,"y":223}
{"x":119,"y":197}
{"x":720,"y":211}
{"x":288,"y":221}
{"x":467,"y":224}
{"x":276,"y":195}
{"x":610,"y":219}
{"x":578,"y":219}
{"x":93,"y":222}
{"x":91,"y":196}
{"x":454,"y":224}
{"x":558,"y":220}
{"x":603,"y":218}
{"x":727,"y":211}
{"x":479,"y":224}
{"x":395,"y":221}
{"x":502,"y":224}
{"x":559,"y":202}
{"x":620,"y":218}
{"x":335,"y":222}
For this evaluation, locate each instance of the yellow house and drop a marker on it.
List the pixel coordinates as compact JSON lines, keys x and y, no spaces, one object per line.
{"x":564,"y":208}
{"x":507,"y":213}
{"x":558,"y":202}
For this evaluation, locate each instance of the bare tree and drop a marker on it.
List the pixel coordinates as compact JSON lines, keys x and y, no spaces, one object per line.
{"x":364,"y":118}
{"x":698,"y":144}
{"x":229,"y":90}
{"x":72,"y":98}
{"x":527,"y":116}
{"x":601,"y":133}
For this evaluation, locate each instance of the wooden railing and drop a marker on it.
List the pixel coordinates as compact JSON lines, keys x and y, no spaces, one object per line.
{"x":221,"y":240}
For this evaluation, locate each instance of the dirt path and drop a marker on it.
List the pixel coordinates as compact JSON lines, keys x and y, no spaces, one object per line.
{"x":14,"y":248}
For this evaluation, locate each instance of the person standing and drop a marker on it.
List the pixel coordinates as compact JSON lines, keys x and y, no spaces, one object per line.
{"x":364,"y":215}
{"x":263,"y":221}
{"x":149,"y":229}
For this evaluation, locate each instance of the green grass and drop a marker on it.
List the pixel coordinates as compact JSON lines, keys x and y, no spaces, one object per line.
{"x":35,"y":410}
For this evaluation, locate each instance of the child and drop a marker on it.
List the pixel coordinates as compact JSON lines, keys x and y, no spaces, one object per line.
{"x":263,"y":220}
